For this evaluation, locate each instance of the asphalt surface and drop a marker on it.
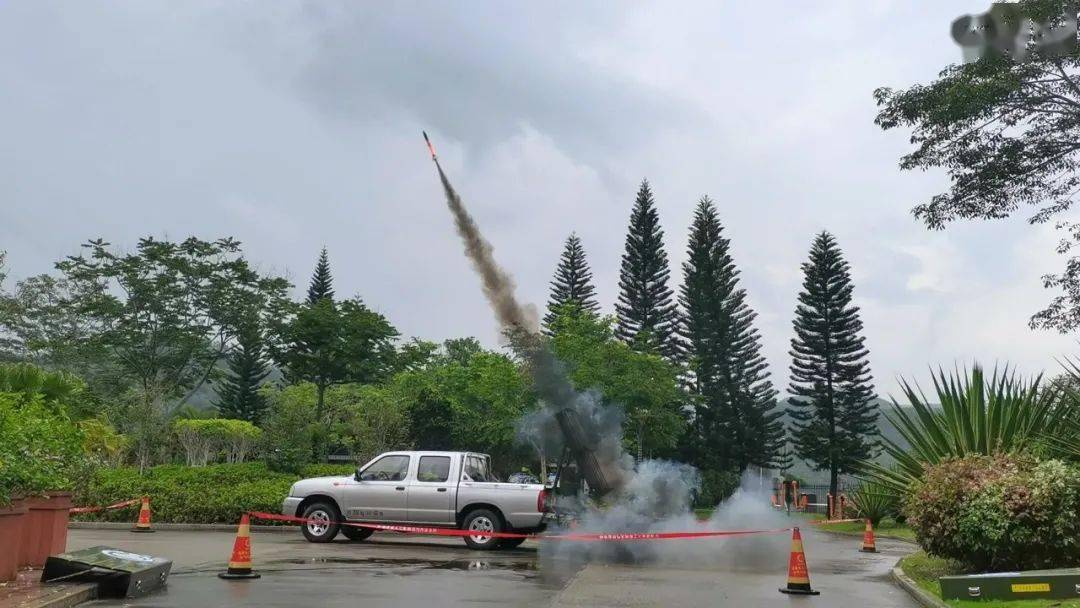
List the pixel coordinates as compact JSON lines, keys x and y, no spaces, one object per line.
{"x":395,"y":570}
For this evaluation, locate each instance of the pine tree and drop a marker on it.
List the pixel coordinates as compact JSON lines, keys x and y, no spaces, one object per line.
{"x":322,"y":284}
{"x":735,"y":423}
{"x":833,"y":407}
{"x":572,"y":282}
{"x":238,"y":395}
{"x":647,"y":314}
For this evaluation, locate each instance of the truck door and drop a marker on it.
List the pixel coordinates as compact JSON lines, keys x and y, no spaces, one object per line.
{"x":432,"y":497}
{"x":382,"y":492}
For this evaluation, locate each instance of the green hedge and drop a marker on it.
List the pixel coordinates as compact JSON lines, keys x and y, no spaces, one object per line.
{"x":999,"y":513}
{"x":40,"y":448}
{"x":218,"y":493}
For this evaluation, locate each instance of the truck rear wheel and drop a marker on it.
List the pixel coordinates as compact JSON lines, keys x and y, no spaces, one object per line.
{"x":480,"y":521}
{"x":321,"y":525}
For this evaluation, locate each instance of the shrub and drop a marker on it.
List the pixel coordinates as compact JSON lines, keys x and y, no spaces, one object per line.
{"x":40,"y":448}
{"x":1002,"y":512}
{"x":217,"y":493}
{"x":204,"y":439}
{"x":102,"y":443}
{"x":873,"y":501}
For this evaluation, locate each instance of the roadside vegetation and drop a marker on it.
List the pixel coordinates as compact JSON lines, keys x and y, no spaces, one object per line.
{"x":925,"y":570}
{"x":176,"y":364}
{"x":217,"y":493}
{"x":988,"y":475}
{"x":988,"y":482}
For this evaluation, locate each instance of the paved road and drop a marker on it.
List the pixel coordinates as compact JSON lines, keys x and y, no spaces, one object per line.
{"x":393,"y":570}
{"x":844,"y":576}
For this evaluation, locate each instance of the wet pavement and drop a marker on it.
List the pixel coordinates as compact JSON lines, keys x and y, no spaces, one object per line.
{"x":387,"y":570}
{"x":843,"y":576}
{"x":395,"y":570}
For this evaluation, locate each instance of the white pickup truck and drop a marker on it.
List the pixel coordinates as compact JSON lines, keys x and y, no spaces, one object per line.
{"x":444,"y":489}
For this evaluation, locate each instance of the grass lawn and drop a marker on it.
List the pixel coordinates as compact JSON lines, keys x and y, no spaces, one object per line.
{"x":925,"y":570}
{"x":886,"y":529}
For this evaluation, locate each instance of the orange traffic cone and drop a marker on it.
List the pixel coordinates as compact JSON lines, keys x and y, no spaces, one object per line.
{"x":868,"y":545}
{"x":240,"y":561}
{"x":143,"y":525}
{"x":798,"y":577}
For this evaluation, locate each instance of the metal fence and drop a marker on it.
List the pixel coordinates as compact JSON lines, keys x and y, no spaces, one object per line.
{"x":816,"y":495}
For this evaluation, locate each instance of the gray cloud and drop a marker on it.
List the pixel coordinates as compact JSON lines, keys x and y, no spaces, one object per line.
{"x":295,"y":124}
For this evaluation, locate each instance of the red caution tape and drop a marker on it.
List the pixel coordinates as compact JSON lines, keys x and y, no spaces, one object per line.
{"x":822,"y":522}
{"x":119,"y":505}
{"x":573,"y":536}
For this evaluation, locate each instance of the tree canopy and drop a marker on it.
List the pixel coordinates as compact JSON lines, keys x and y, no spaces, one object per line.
{"x":1006,"y":132}
{"x":833,"y":411}
{"x":736,"y":421}
{"x":646,"y":310}
{"x":645,"y":384}
{"x":572,"y":282}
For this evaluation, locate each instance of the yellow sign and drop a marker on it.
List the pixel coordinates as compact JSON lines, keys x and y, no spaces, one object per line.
{"x":1030,"y":587}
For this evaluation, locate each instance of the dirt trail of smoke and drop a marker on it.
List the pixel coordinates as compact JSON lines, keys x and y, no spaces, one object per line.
{"x":498,"y":285}
{"x":653,"y":497}
{"x":554,"y":388}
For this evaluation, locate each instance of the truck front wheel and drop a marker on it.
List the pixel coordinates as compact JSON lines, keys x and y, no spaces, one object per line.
{"x":356,"y":533}
{"x":510,"y":543}
{"x":321,"y":525}
{"x":480,"y":521}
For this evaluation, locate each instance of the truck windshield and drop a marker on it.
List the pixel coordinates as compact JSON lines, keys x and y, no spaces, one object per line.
{"x":478,"y":469}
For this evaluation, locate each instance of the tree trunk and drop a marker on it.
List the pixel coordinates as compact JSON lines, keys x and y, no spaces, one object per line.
{"x":320,"y":403}
{"x":318,"y":438}
{"x":834,"y":480}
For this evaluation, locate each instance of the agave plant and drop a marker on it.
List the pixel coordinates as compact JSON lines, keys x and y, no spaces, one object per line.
{"x":1001,"y":413}
{"x":1065,"y":443}
{"x":874,"y":501}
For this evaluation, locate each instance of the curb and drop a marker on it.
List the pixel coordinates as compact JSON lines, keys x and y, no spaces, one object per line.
{"x":920,"y":595}
{"x":116,"y":525}
{"x":73,"y":595}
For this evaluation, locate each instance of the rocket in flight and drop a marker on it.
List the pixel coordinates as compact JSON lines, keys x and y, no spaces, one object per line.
{"x":430,"y":147}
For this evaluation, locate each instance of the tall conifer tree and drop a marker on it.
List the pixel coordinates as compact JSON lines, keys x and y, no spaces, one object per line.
{"x":572,"y":282}
{"x":647,"y":314}
{"x":322,"y":283}
{"x":736,"y":424}
{"x":833,"y":409}
{"x":238,"y":395}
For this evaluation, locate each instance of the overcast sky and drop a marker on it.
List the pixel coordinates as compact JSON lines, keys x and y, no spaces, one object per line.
{"x":293,"y":125}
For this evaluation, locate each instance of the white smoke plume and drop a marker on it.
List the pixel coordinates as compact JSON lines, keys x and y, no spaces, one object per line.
{"x":659,"y":485}
{"x":654,"y":495}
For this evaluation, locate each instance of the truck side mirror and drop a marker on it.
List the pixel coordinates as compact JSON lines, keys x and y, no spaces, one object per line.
{"x":356,"y":475}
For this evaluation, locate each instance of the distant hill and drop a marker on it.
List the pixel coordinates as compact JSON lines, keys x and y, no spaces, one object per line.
{"x":885,"y":429}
